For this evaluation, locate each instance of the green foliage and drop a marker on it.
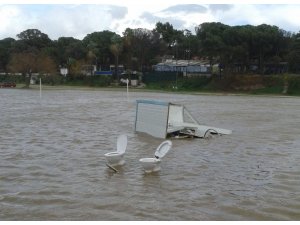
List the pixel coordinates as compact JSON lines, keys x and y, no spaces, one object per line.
{"x":294,"y":55}
{"x":194,"y":83}
{"x":34,"y":38}
{"x":12,"y":78}
{"x":167,"y":32}
{"x":54,"y":79}
{"x":268,"y":90}
{"x":5,"y":51}
{"x":211,"y":37}
{"x":293,"y":85}
{"x":237,"y":48}
{"x":93,"y":81}
{"x":164,"y":85}
{"x":140,"y":47}
{"x":244,"y":45}
{"x":99,"y":43}
{"x":159,"y":77}
{"x":273,"y":80}
{"x":248,"y":84}
{"x":101,"y":81}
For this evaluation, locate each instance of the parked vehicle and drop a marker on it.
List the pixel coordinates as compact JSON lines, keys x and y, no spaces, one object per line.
{"x":7,"y":85}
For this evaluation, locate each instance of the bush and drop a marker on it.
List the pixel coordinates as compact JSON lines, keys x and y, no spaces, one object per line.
{"x":12,"y":78}
{"x":166,"y":85}
{"x":93,"y":81}
{"x":273,"y":80}
{"x":100,"y":81}
{"x":54,"y":79}
{"x":194,"y":83}
{"x":293,"y":84}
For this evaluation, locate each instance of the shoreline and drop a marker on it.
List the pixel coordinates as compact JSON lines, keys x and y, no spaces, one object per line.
{"x":131,"y":89}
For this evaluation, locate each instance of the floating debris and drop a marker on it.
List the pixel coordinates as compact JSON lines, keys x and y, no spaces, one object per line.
{"x":111,"y":167}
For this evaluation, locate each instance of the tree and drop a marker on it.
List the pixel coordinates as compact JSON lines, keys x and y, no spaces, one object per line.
{"x":266,"y":45}
{"x":67,"y":48}
{"x":243,"y":45}
{"x":211,"y":40}
{"x":75,"y":67}
{"x":5,"y":50}
{"x":172,"y":38}
{"x":142,"y":45}
{"x":294,"y":55}
{"x":34,"y":38}
{"x":167,"y":32}
{"x":99,"y":43}
{"x":237,"y":48}
{"x":28,"y":63}
{"x":27,"y":54}
{"x":116,"y":48}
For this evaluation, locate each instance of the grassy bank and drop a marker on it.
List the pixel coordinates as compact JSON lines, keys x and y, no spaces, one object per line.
{"x":287,"y":84}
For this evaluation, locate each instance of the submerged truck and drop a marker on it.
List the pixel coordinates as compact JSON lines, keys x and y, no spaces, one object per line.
{"x":165,"y":119}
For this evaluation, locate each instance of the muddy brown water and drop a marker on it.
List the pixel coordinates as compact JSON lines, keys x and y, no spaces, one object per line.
{"x":52,"y":164}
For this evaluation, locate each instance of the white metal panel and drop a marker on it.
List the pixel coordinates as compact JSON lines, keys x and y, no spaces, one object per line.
{"x":175,"y":114}
{"x":152,"y":118}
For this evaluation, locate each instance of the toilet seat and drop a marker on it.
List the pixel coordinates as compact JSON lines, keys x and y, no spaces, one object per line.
{"x":112,"y":153}
{"x":149,"y":160}
{"x":163,"y":149}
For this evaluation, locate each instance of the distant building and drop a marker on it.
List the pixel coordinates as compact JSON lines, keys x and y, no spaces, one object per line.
{"x":188,"y":67}
{"x":103,"y":73}
{"x":88,"y":70}
{"x":120,"y":69}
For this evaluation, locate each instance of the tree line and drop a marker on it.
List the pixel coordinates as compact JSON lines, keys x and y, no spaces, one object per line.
{"x":235,"y":48}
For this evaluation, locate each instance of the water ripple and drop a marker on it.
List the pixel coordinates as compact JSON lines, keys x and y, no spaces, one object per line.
{"x":52,"y":164}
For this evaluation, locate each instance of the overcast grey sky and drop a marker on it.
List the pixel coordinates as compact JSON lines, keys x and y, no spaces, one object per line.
{"x":63,"y":19}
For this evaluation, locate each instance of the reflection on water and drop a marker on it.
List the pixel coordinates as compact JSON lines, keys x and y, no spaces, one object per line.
{"x":53,"y":165}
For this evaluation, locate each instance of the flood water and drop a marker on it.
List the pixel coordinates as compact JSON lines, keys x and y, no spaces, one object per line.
{"x":52,"y":164}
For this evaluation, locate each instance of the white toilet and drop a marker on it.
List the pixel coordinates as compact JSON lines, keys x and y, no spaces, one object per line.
{"x":117,"y":158}
{"x":153,"y":164}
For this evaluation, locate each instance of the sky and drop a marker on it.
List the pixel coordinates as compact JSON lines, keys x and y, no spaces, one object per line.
{"x":78,"y":18}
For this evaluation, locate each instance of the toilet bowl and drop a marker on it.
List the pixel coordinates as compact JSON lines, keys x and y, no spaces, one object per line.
{"x":153,"y":164}
{"x":117,"y":158}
